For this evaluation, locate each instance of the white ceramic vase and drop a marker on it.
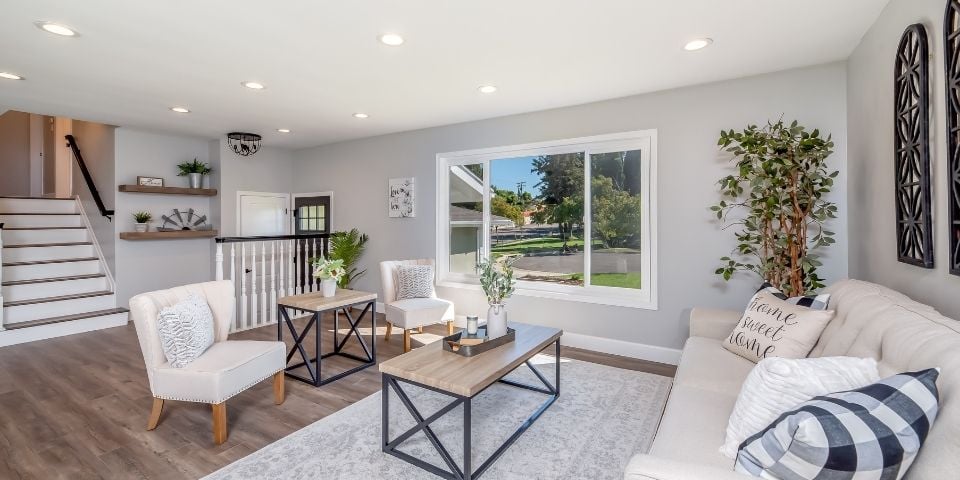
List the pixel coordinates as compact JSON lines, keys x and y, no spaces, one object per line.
{"x":496,"y":321}
{"x":328,"y":286}
{"x":141,"y":227}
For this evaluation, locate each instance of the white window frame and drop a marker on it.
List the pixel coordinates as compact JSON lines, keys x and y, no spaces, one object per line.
{"x":644,"y":140}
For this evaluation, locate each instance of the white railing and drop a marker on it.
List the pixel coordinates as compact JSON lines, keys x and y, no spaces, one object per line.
{"x":265,"y":269}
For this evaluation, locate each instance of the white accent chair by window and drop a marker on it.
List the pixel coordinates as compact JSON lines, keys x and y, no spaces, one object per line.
{"x":225,"y":369}
{"x":411,"y":313}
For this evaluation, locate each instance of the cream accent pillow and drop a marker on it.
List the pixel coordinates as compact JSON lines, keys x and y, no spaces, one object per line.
{"x":777,"y":385}
{"x":772,"y":327}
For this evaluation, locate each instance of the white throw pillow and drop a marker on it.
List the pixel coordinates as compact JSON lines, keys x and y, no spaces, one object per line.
{"x":772,"y":327}
{"x":777,"y":385}
{"x":414,"y":281}
{"x":186,"y":330}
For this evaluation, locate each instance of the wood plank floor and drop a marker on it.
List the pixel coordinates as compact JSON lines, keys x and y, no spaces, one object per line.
{"x":76,"y":407}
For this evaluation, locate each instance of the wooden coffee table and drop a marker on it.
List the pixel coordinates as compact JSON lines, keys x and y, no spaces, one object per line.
{"x":463,"y":378}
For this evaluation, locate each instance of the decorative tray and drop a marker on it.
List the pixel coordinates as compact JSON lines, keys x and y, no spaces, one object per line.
{"x":466,"y":345}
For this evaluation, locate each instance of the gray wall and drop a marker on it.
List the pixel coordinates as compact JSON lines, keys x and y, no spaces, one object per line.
{"x":97,"y":144}
{"x":15,"y":153}
{"x":688,"y":121}
{"x":142,"y":266}
{"x":873,"y":252}
{"x":270,"y":170}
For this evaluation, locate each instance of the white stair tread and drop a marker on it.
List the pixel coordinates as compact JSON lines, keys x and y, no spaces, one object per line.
{"x":44,"y":262}
{"x":40,"y":245}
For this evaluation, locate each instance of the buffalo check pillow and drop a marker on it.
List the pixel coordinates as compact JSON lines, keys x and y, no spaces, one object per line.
{"x":813,"y":301}
{"x":872,"y":432}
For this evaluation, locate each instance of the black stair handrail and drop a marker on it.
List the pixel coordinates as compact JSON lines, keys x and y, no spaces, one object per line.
{"x":72,"y":143}
{"x":266,"y":238}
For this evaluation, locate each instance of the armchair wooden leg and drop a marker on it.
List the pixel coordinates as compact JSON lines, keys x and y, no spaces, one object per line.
{"x":219,"y":423}
{"x":278,"y":388}
{"x":420,"y":329}
{"x":406,"y":341}
{"x":155,"y":413}
{"x":449,"y":327}
{"x":386,"y":338}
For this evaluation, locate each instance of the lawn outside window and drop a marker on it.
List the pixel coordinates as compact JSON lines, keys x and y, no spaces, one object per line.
{"x":576,"y":218}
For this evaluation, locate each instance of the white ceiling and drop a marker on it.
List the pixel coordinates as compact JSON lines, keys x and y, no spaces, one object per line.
{"x":321,"y":60}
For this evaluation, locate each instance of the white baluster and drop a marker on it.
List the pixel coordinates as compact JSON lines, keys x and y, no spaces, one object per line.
{"x":291,"y":267}
{"x":253,"y":291}
{"x":298,"y":288}
{"x":282,"y":282}
{"x":263,"y":285}
{"x":219,"y":262}
{"x":273,"y":283}
{"x":242,"y":320}
{"x":313,"y":253}
{"x":233,"y":278}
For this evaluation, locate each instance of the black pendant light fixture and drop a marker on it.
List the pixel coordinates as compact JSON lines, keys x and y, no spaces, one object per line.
{"x":244,"y":144}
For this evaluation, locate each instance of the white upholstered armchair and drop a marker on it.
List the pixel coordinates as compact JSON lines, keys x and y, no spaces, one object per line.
{"x":225,"y":369}
{"x":411,"y":313}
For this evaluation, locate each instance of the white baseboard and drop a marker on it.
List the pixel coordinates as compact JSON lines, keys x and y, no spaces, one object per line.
{"x":43,"y":332}
{"x":653,"y":353}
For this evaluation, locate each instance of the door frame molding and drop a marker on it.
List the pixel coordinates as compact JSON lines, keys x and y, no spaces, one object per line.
{"x":286,"y":196}
{"x":293,"y":201}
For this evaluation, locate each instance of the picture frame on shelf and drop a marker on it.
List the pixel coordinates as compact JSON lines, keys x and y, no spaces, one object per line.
{"x":149,"y":181}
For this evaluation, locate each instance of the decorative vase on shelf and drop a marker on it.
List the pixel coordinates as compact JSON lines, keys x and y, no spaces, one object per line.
{"x":496,"y":321}
{"x":141,"y":227}
{"x":196,"y":180}
{"x":328,"y":286}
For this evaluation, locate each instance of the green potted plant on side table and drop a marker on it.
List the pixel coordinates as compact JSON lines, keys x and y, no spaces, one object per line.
{"x":142,"y":220}
{"x":195,"y":170}
{"x":498,"y":284}
{"x":329,"y":272}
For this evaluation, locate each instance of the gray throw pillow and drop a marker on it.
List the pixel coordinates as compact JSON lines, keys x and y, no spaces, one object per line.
{"x":186,"y":330}
{"x":414,"y":281}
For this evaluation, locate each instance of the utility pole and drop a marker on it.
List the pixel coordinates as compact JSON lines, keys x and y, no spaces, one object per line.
{"x":523,"y":207}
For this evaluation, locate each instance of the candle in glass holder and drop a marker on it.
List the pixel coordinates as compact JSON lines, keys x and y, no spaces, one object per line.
{"x":472,"y":322}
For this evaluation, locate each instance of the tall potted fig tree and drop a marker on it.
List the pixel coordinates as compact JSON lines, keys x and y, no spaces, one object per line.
{"x":776,"y":200}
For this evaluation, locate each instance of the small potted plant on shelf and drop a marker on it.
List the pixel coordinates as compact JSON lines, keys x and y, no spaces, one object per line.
{"x":498,"y":284}
{"x":195,"y":170}
{"x":329,"y":272}
{"x":142,"y":220}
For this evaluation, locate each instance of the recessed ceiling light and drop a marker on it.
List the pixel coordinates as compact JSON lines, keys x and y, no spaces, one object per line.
{"x":10,"y":76}
{"x":283,"y":130}
{"x":360,"y":115}
{"x":56,"y":29}
{"x":487,"y":88}
{"x":391,"y":39}
{"x":180,"y":109}
{"x":697,"y":44}
{"x":253,"y":85}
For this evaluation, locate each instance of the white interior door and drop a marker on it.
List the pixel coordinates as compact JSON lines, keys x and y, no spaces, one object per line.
{"x":262,"y":213}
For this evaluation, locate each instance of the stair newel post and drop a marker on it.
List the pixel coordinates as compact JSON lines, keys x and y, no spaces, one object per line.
{"x":218,"y":274}
{"x":263,"y":285}
{"x":272,"y":312}
{"x":253,"y":290}
{"x":242,"y":320}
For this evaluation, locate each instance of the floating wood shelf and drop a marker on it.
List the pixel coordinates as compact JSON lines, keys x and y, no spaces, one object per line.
{"x":175,"y":235}
{"x":203,"y":192}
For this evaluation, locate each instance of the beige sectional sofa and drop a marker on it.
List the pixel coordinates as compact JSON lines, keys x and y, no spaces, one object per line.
{"x":871,"y":321}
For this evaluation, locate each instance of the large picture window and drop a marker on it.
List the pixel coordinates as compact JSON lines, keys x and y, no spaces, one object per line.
{"x":574,"y":217}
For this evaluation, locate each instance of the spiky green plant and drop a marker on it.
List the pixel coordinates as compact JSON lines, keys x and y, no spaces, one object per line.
{"x":142,"y":217}
{"x":349,"y":247}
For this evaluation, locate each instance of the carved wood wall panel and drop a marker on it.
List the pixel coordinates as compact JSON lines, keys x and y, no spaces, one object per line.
{"x":912,"y":148}
{"x":951,"y":42}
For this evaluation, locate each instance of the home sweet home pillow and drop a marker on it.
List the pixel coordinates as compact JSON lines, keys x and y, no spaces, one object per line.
{"x":772,"y":327}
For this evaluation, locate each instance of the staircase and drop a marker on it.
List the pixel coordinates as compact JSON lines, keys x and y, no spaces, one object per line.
{"x":54,"y":280}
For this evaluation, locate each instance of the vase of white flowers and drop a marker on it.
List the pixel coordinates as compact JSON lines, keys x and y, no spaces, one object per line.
{"x":329,"y":272}
{"x":497,"y":281}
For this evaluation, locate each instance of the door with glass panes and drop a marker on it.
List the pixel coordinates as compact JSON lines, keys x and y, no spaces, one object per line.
{"x":311,"y":215}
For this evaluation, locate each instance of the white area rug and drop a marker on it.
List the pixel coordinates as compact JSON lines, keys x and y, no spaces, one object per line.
{"x":604,"y":416}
